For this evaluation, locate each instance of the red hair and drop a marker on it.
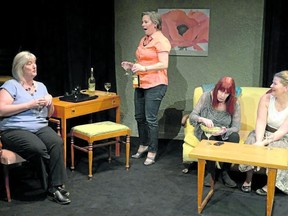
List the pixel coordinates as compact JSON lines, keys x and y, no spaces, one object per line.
{"x":227,"y":85}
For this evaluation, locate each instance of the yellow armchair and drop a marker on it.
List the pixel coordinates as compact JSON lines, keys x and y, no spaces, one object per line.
{"x":249,"y":99}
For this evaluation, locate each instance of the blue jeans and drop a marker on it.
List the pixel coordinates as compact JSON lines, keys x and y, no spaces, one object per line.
{"x":147,"y":103}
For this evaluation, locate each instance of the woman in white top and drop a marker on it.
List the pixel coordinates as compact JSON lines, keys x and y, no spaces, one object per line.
{"x":271,"y":129}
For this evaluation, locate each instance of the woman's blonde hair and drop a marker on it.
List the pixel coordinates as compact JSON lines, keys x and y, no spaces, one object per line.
{"x":18,"y":63}
{"x":155,"y":18}
{"x":283,"y":76}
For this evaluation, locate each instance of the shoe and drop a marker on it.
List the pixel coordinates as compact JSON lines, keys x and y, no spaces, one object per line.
{"x":150,"y":159}
{"x":63,"y":191}
{"x":58,"y":197}
{"x":207,"y":180}
{"x":185,"y":170}
{"x":246,"y":188}
{"x":261,"y":192}
{"x":228,"y":182}
{"x":141,"y":150}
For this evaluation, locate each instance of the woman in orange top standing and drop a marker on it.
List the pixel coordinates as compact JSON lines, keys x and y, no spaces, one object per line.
{"x":151,"y":66}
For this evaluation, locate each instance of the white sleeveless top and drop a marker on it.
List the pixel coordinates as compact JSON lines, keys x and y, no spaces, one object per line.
{"x":275,"y":118}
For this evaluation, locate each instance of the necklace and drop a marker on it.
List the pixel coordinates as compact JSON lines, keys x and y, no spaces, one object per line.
{"x":147,"y":40}
{"x":31,"y":90}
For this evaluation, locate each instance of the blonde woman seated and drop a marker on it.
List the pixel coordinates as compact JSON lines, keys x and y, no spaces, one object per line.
{"x":271,"y":129}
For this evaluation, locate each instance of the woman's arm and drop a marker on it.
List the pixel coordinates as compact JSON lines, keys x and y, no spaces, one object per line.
{"x":160,"y":65}
{"x":262,"y":113}
{"x":7,"y":108}
{"x":48,"y":102}
{"x":260,"y":126}
{"x":195,"y":116}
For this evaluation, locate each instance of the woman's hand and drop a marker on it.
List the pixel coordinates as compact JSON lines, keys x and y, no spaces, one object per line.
{"x":208,"y":122}
{"x":37,"y":103}
{"x":220,"y":132}
{"x":137,"y":67}
{"x":261,"y":143}
{"x":127,"y":65}
{"x":48,"y":100}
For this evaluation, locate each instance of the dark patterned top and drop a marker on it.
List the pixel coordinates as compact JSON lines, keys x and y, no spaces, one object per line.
{"x":220,"y":118}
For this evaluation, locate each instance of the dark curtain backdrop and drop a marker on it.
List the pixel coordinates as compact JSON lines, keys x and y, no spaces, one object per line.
{"x":68,"y":37}
{"x":275,"y":39}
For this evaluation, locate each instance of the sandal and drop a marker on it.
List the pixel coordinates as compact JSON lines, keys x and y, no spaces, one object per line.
{"x":185,"y":170}
{"x":150,"y":159}
{"x":261,"y":192}
{"x":246,"y":188}
{"x":141,"y":150}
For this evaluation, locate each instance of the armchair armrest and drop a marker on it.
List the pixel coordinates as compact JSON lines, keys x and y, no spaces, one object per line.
{"x":184,"y":120}
{"x":57,"y":122}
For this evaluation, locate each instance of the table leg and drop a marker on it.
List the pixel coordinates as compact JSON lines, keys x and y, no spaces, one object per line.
{"x":117,"y":150}
{"x":201,"y":171}
{"x":270,"y":190}
{"x":64,"y":137}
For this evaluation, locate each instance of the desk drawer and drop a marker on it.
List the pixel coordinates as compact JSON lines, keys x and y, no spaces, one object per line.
{"x":88,"y":108}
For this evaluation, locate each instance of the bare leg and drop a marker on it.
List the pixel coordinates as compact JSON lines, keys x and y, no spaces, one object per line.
{"x":249,"y":175}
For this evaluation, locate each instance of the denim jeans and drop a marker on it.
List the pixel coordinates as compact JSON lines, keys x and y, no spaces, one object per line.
{"x":147,"y":103}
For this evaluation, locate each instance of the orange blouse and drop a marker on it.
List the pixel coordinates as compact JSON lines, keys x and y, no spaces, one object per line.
{"x":146,"y":54}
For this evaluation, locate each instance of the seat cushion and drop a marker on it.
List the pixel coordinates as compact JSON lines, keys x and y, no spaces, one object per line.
{"x":99,"y":128}
{"x":9,"y":157}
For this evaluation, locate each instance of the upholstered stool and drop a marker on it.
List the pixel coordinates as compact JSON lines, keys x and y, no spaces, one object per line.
{"x":106,"y":130}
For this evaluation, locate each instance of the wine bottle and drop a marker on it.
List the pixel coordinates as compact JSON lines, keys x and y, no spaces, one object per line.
{"x":91,"y":82}
{"x":135,"y":80}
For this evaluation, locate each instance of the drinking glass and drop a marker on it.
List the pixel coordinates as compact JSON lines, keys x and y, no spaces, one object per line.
{"x":128,"y":66}
{"x":38,"y":111}
{"x":107,"y":86}
{"x":270,"y":139}
{"x":208,"y":135}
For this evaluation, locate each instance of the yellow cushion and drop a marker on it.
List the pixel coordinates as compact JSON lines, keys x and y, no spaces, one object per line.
{"x":98,"y":128}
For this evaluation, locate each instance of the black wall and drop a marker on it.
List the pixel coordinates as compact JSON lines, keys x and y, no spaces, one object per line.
{"x":68,"y":37}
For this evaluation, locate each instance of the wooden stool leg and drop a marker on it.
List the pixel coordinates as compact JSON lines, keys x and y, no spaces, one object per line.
{"x":109,"y":158}
{"x":127,"y":151}
{"x":90,"y":159}
{"x":117,"y":147}
{"x":7,"y":186}
{"x":72,"y":153}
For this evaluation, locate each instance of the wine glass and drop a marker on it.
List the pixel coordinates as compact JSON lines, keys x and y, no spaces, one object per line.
{"x":107,"y":86}
{"x":270,"y":139}
{"x":127,"y":66}
{"x":38,"y":111}
{"x":208,"y":135}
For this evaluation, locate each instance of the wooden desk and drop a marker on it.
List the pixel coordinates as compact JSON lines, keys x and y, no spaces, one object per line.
{"x":67,"y":110}
{"x":273,"y":159}
{"x":3,"y":79}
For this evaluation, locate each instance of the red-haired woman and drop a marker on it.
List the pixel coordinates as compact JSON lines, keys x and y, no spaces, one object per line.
{"x":218,"y":108}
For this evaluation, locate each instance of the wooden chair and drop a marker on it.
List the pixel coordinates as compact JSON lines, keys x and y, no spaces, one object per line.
{"x":9,"y":158}
{"x":100,"y":131}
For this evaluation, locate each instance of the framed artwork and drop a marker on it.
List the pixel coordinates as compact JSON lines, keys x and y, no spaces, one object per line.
{"x":187,"y":30}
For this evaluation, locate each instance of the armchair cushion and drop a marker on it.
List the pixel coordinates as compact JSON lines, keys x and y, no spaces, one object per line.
{"x":210,"y":86}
